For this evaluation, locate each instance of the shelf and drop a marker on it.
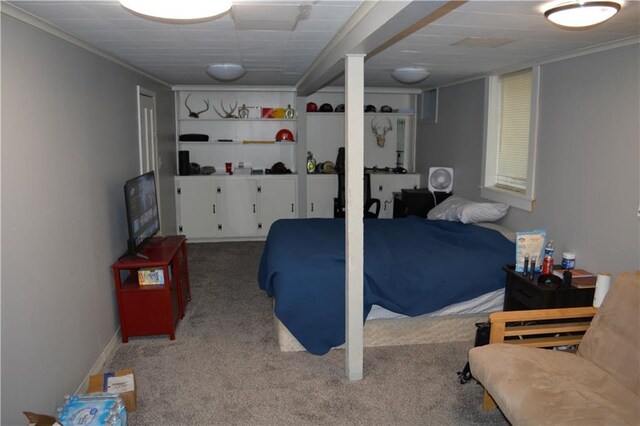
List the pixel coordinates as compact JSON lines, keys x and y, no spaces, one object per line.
{"x":238,"y":120}
{"x":391,"y":114}
{"x":237,"y":143}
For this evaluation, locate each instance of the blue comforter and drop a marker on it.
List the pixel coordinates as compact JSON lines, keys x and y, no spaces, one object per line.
{"x":412,"y":266}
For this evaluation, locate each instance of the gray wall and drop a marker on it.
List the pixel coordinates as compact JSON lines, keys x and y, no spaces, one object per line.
{"x":69,"y":142}
{"x":588,"y":172}
{"x":456,"y":139}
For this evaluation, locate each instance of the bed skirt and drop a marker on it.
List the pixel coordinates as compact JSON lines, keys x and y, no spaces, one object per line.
{"x":402,"y":331}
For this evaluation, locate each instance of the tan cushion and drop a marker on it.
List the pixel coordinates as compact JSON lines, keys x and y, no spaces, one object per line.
{"x":612,"y":342}
{"x":538,"y":386}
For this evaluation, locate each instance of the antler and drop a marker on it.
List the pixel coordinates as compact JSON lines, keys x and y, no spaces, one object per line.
{"x":229,"y":113}
{"x":385,"y":130}
{"x":195,"y":114}
{"x":206,"y":102}
{"x":185,"y":104}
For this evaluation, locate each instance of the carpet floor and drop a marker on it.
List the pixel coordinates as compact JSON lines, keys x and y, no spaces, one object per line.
{"x":225,"y":368}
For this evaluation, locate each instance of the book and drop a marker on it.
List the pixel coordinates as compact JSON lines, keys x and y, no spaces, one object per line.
{"x":579,"y":277}
{"x":575,"y":273}
{"x":584,"y":282}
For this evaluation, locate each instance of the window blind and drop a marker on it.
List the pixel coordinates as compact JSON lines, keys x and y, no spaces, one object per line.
{"x":515,"y":119}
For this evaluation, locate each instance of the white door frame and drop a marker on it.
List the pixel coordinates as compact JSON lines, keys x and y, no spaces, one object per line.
{"x":150,"y":151}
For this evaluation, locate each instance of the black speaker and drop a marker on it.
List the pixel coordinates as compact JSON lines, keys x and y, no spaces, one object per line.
{"x":184,"y":167}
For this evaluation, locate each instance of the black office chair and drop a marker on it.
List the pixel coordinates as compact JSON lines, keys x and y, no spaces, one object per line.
{"x":339,"y":201}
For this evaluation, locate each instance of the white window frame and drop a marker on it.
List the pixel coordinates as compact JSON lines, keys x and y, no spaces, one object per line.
{"x":488,"y":188}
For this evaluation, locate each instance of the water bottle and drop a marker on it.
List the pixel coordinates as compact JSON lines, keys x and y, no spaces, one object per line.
{"x":548,"y":249}
{"x":547,"y":262}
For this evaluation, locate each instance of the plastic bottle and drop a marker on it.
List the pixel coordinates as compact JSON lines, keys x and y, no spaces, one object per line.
{"x":547,"y":262}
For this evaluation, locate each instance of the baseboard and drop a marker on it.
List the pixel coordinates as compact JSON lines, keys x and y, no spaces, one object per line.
{"x":99,"y":364}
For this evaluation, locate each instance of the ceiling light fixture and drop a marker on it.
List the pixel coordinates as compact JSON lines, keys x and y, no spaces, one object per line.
{"x":579,"y":14}
{"x":182,"y":10}
{"x":410,"y":75}
{"x":226,"y":72}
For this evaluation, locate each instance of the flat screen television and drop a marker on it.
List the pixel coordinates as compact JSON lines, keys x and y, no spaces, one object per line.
{"x":142,"y":210}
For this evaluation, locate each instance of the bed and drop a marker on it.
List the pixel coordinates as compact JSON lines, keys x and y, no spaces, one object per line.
{"x":412,"y":266}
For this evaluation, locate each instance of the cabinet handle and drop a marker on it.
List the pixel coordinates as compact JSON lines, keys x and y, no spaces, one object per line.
{"x":259,"y":189}
{"x":219,"y":190}
{"x":214,"y":209}
{"x":291,"y":207}
{"x":254,"y":208}
{"x":380,"y":188}
{"x":311,"y":206}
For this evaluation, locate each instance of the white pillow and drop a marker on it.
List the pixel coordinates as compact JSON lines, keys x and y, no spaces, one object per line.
{"x":462,"y":210}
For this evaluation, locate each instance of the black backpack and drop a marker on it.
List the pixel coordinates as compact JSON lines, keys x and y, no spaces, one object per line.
{"x":483,"y":331}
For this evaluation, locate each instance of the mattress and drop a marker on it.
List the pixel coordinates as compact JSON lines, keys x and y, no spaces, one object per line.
{"x":486,"y":303}
{"x":412,"y":266}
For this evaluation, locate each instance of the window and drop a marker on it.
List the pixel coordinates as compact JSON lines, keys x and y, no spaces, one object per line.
{"x":510,"y":140}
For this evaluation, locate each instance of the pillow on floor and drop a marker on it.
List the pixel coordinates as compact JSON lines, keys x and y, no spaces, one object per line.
{"x":458,"y":209}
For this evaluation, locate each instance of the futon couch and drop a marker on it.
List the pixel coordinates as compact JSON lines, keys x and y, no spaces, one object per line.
{"x":599,"y":384}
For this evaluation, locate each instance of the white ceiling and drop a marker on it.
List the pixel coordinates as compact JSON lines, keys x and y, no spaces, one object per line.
{"x":179,"y":53}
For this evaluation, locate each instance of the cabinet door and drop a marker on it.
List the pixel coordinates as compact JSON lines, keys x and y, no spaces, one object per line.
{"x":197,"y":215}
{"x":238,"y":207}
{"x":321,"y":190}
{"x":384,"y":185}
{"x":277,"y":200}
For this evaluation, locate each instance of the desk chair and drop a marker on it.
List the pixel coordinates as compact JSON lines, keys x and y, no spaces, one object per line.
{"x":339,"y":201}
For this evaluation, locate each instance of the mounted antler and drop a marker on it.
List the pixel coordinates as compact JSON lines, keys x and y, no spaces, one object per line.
{"x":380,"y":138}
{"x":227,"y":114}
{"x":195,"y":114}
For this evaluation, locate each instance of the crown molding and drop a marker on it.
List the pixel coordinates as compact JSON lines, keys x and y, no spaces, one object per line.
{"x":627,"y":41}
{"x":34,"y":21}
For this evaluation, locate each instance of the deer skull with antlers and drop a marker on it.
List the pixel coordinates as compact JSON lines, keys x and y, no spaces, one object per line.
{"x":227,"y":114}
{"x":380,"y":137}
{"x":195,"y":114}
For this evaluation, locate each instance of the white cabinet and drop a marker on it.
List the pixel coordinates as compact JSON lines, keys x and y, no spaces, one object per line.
{"x":384,"y":185}
{"x":233,"y":207}
{"x":237,"y":200}
{"x":276,"y":200}
{"x":196,"y":203}
{"x":321,"y":190}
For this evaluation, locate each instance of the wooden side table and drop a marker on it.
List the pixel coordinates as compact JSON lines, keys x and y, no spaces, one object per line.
{"x":523,"y":293}
{"x":153,"y":309}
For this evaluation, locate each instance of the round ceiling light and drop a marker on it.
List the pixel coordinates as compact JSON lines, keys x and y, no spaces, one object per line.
{"x":579,"y":14}
{"x":178,"y":10}
{"x":226,"y":72}
{"x":410,"y":75}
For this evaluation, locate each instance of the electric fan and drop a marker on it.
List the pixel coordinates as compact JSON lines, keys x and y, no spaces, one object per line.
{"x":440,"y":179}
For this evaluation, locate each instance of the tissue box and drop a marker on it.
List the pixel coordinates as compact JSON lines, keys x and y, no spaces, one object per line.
{"x":121,"y":382}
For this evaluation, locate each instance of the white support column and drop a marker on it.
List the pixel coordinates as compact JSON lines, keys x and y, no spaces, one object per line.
{"x":354,"y":223}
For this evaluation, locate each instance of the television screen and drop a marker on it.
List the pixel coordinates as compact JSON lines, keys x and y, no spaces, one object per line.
{"x":142,"y":210}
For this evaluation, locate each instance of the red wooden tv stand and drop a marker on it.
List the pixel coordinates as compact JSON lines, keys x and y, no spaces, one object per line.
{"x":153,"y":309}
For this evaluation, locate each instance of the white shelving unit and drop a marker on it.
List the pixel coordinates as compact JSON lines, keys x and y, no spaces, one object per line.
{"x":222,"y":99}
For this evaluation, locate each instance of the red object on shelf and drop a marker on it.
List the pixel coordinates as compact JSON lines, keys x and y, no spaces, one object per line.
{"x":153,"y":309}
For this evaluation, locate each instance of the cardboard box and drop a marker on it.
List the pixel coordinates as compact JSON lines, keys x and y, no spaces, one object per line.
{"x":151,"y":276}
{"x":119,"y":380}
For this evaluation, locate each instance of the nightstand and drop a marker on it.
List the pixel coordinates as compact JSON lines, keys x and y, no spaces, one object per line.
{"x":522,"y":293}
